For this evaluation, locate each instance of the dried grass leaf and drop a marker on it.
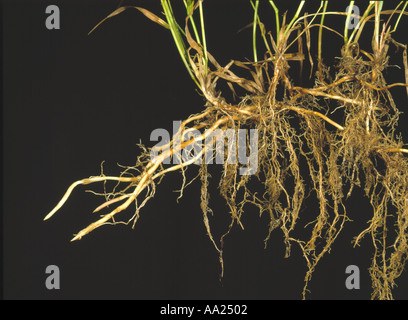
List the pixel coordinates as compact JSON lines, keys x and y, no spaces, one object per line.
{"x":147,"y":14}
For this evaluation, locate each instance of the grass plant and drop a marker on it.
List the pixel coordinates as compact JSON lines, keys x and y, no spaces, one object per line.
{"x":302,"y":150}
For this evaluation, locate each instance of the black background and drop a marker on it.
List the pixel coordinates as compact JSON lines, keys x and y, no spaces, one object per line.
{"x":73,"y":100}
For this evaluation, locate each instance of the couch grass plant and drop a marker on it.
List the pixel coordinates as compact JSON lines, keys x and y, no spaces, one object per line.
{"x":303,"y":151}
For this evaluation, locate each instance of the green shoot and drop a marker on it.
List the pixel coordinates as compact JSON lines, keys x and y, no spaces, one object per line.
{"x":203,"y":35}
{"x":319,"y":52}
{"x":295,"y":17}
{"x":189,"y":7}
{"x":359,"y":28}
{"x":263,"y":34}
{"x":175,"y":31}
{"x":346,"y":26}
{"x":399,"y":17}
{"x":189,"y":4}
{"x":314,"y":15}
{"x":378,"y":7}
{"x":254,"y":30}
{"x":276,"y":19}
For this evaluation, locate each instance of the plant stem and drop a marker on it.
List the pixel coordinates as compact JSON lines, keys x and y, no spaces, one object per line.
{"x":276,"y":20}
{"x":378,"y":7}
{"x":319,"y":52}
{"x":203,"y":35}
{"x":189,"y":7}
{"x":346,"y":26}
{"x":295,"y":17}
{"x":174,"y":28}
{"x":399,"y":17}
{"x":361,"y":22}
{"x":254,"y":30}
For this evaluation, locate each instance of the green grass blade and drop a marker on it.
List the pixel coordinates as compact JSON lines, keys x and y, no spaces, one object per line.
{"x":399,"y":17}
{"x":275,"y":8}
{"x":295,"y":17}
{"x":254,"y":30}
{"x":346,"y":26}
{"x":175,"y":31}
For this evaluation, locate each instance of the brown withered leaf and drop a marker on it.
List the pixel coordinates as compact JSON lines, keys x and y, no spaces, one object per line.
{"x":308,"y":46}
{"x":146,"y":13}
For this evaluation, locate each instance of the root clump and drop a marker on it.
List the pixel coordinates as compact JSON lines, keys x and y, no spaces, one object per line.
{"x":301,"y":152}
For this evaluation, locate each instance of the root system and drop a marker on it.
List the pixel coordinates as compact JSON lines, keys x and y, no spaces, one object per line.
{"x":302,"y":151}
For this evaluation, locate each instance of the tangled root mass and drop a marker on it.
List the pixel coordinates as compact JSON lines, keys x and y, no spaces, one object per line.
{"x":301,"y":153}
